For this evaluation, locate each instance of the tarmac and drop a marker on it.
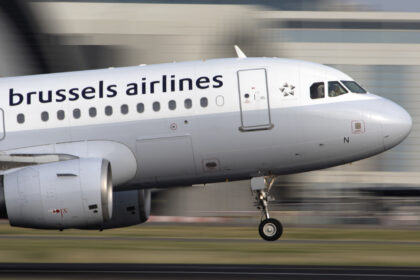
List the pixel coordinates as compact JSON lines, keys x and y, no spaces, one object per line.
{"x":218,"y":240}
{"x":190,"y":271}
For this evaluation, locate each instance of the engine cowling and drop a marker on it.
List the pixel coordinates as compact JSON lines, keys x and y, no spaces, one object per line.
{"x":68,"y":194}
{"x":129,"y":208}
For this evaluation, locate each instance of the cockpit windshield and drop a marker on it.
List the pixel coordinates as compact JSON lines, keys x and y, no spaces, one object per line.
{"x":354,"y":87}
{"x":335,"y":89}
{"x":317,"y":90}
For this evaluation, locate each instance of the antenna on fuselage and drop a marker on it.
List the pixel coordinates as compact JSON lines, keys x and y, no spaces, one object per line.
{"x":239,"y":52}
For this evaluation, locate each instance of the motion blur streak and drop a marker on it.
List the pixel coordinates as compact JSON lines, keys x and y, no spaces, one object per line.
{"x":374,"y":44}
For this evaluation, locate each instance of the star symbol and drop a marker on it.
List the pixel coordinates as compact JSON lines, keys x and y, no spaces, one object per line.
{"x":287,"y":89}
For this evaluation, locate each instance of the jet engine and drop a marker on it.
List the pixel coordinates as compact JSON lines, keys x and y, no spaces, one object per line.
{"x":67,"y":194}
{"x":70,"y":194}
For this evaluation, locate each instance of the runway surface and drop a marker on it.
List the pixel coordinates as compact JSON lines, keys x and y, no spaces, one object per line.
{"x":186,"y":271}
{"x":218,"y":240}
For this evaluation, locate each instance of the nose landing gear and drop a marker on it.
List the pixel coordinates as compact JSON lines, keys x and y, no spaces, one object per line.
{"x":270,"y":229}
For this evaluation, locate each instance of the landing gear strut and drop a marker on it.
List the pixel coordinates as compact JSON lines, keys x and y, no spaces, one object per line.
{"x":270,"y":229}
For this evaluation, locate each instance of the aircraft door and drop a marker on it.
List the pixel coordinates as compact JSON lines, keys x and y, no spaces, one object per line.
{"x":253,"y":99}
{"x":2,"y":131}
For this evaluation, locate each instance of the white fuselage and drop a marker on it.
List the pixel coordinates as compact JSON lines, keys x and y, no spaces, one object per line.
{"x":196,"y":122}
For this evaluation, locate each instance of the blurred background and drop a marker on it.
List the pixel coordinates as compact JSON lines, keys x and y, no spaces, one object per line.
{"x":377,"y":42}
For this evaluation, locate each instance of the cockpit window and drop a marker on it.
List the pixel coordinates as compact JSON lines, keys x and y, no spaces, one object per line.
{"x":335,"y":89}
{"x":317,"y":90}
{"x":354,"y":87}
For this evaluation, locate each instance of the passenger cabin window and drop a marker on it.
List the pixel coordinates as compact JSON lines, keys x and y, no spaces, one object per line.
{"x":317,"y":90}
{"x":172,"y":105}
{"x":124,"y":109}
{"x":108,"y":110}
{"x":335,"y":89}
{"x":20,"y":118}
{"x":92,"y":112}
{"x":156,"y":106}
{"x":76,"y":113}
{"x":354,"y":87}
{"x":60,"y":115}
{"x":188,"y":103}
{"x":140,"y":107}
{"x":204,"y":102}
{"x":44,"y":116}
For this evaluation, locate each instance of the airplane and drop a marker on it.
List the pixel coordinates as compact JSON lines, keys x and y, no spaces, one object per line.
{"x":84,"y":149}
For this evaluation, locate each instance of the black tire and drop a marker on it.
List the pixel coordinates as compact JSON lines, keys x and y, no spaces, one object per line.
{"x":270,"y":229}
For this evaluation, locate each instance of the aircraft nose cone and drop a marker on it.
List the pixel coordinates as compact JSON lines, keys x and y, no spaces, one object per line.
{"x":396,"y":124}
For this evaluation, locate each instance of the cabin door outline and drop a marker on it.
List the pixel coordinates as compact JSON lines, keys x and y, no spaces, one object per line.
{"x":254,"y":101}
{"x":2,"y":125}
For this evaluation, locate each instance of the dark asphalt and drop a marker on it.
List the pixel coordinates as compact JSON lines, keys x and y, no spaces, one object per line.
{"x":190,"y":271}
{"x":220,"y":240}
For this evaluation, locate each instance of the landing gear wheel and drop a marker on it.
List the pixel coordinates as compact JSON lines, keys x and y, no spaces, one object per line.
{"x":270,"y":229}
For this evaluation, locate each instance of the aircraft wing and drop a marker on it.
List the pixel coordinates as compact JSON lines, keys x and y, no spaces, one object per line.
{"x":121,"y":158}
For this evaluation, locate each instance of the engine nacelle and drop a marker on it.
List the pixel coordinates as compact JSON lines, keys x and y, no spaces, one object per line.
{"x":68,"y":194}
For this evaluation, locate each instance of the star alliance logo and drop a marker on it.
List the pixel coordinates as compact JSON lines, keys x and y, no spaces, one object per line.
{"x":288,"y":90}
